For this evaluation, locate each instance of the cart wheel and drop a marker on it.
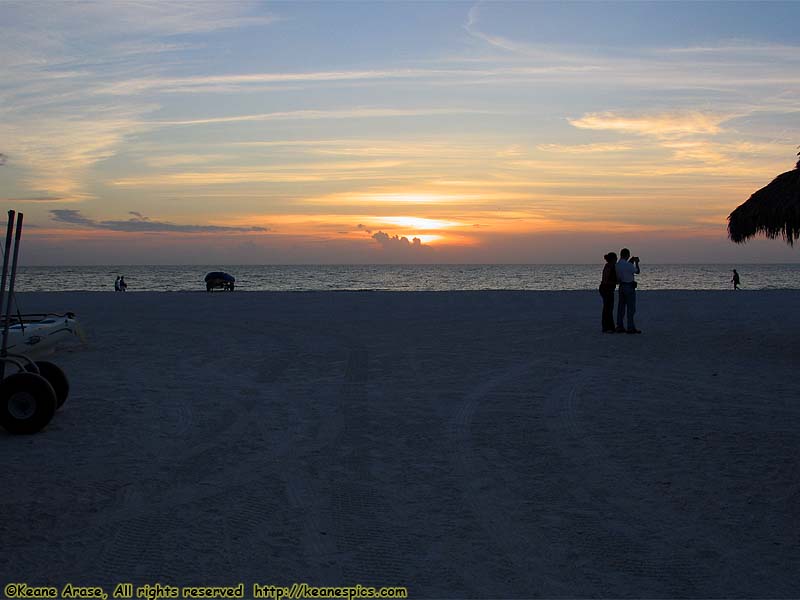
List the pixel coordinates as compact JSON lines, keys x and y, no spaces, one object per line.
{"x":55,"y":377}
{"x":27,"y":403}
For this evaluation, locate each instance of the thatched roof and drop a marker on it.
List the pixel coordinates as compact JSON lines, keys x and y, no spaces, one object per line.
{"x":774,"y":210}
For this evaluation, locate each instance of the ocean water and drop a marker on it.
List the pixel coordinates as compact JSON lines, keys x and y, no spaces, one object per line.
{"x":402,"y":277}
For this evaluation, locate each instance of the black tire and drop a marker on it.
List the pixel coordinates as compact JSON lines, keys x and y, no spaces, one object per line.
{"x":27,"y":403}
{"x":55,"y":377}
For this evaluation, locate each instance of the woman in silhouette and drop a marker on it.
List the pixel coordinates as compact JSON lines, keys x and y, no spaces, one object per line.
{"x":607,"y":285}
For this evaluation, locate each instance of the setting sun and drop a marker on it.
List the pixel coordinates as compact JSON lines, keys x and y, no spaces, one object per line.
{"x":418,"y":222}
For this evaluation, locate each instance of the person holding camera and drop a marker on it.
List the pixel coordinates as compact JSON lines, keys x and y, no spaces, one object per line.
{"x":626,"y":268}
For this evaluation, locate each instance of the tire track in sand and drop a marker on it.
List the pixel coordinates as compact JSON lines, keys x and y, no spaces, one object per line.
{"x":617,"y":538}
{"x":525,"y":554}
{"x":139,"y":522}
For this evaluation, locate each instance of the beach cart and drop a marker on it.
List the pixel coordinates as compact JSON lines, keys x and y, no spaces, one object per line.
{"x":30,"y":391}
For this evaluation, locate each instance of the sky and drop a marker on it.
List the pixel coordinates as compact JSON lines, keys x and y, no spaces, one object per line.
{"x":393,"y":132}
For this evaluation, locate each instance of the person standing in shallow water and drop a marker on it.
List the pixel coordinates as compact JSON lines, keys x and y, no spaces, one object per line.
{"x":116,"y":284}
{"x":735,"y":280}
{"x":626,"y":268}
{"x":607,"y":285}
{"x":122,"y":285}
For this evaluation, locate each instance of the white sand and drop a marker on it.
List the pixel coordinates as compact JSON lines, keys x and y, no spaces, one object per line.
{"x":461,"y":444}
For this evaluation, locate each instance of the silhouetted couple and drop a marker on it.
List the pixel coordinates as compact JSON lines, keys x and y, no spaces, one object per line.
{"x":619,"y":272}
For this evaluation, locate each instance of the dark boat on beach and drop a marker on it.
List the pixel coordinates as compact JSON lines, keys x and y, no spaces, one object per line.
{"x":218,"y":279}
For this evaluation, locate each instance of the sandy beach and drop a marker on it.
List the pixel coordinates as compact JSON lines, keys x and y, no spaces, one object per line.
{"x":461,"y":444}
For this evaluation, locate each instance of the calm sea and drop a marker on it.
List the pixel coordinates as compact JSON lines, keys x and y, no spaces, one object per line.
{"x":402,"y":277}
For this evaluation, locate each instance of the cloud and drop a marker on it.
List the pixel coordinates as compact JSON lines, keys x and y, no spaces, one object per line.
{"x":471,"y":27}
{"x":394,"y":197}
{"x":56,"y":55}
{"x":228,"y":82}
{"x":540,"y":52}
{"x":697,"y":151}
{"x":287,"y":173}
{"x":355,"y":113}
{"x":584,"y":148}
{"x":161,"y":161}
{"x":741,"y":49}
{"x":395,"y":242}
{"x":694,"y":138}
{"x":759,"y":70}
{"x":663,"y":126}
{"x":138,"y":47}
{"x":74,"y":217}
{"x":129,"y":18}
{"x":363,"y":227}
{"x":58,"y":149}
{"x":140,"y":223}
{"x":34,"y":199}
{"x":255,"y":81}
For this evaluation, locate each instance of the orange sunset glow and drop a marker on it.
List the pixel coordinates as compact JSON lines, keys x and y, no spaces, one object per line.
{"x":471,"y":135}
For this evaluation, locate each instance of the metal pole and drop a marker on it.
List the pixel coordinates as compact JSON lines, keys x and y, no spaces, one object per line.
{"x":9,"y":231}
{"x":13,"y":277}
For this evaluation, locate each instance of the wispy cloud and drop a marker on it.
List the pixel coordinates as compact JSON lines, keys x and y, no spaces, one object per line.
{"x":56,"y":55}
{"x":334,"y":171}
{"x":134,"y":48}
{"x":57,"y":150}
{"x":38,"y":200}
{"x":228,"y":82}
{"x":176,"y":160}
{"x":697,"y":142}
{"x":585,"y":148}
{"x":728,"y":67}
{"x":394,"y":197}
{"x":253,"y":81}
{"x":141,"y":17}
{"x":354,"y":113}
{"x":663,"y":125}
{"x":496,"y":41}
{"x":472,"y":26}
{"x":741,"y":49}
{"x":418,"y":147}
{"x":141,"y":224}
